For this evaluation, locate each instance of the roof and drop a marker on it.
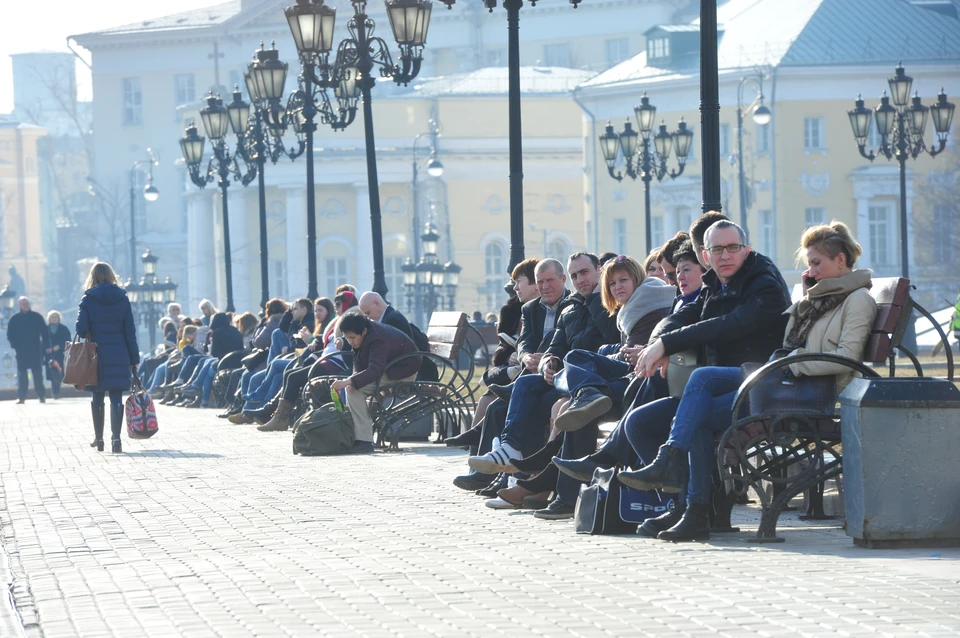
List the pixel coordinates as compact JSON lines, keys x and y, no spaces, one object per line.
{"x":193,"y":19}
{"x":811,"y":33}
{"x":493,"y":81}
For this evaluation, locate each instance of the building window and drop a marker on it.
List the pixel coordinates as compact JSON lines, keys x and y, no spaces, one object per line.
{"x":184,"y":88}
{"x":495,"y":268}
{"x":658,"y":48}
{"x":334,"y":274}
{"x":618,"y":50}
{"x":880,"y":235}
{"x":724,"y":139}
{"x":945,"y":220}
{"x":278,"y":278}
{"x":497,"y":58}
{"x":763,"y":138}
{"x":656,"y":231}
{"x":132,"y":101}
{"x":556,"y":54}
{"x":813,"y":133}
{"x":393,"y":275}
{"x":814,"y":217}
{"x":768,"y":234}
{"x":558,"y":249}
{"x":620,"y":236}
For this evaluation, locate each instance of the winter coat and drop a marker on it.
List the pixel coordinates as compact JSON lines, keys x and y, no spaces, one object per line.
{"x":290,"y":327}
{"x":532,"y":337}
{"x":261,"y":338}
{"x":734,"y":324}
{"x":381,"y":345}
{"x":106,"y":316}
{"x":224,"y":337}
{"x":842,"y":331}
{"x":508,"y":323}
{"x":58,"y":338}
{"x":583,"y":324}
{"x":29,"y":337}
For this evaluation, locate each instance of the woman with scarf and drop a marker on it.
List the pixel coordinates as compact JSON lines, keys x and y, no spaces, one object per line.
{"x":59,"y":336}
{"x":834,"y":317}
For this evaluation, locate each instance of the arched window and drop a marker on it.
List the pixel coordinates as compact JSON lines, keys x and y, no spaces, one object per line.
{"x":495,"y":268}
{"x":559,"y":249}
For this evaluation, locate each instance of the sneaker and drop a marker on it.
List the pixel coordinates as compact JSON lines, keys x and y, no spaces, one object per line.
{"x":496,"y":461}
{"x":589,"y":404}
{"x":557,"y":510}
{"x":500,"y":504}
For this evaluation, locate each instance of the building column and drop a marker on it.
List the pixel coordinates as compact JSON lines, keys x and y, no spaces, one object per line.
{"x":296,"y":242}
{"x":240,"y":250}
{"x":201,"y":266}
{"x":363,"y":277}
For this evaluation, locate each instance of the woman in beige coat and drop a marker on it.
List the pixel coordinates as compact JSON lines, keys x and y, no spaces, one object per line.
{"x":835,"y":316}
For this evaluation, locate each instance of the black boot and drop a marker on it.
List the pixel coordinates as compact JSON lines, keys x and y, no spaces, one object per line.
{"x":545,"y":481}
{"x":263,"y":414}
{"x":667,"y":472}
{"x":470,"y":438}
{"x":116,"y":424}
{"x":497,"y":484}
{"x":98,"y":418}
{"x":694,"y":525}
{"x":653,"y":526}
{"x":541,"y":458}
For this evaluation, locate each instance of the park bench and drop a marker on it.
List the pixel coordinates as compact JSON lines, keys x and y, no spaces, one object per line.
{"x":793,"y":449}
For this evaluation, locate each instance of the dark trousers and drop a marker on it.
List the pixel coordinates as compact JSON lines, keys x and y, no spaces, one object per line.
{"x":493,"y":422}
{"x":116,"y":410}
{"x":528,"y":414}
{"x":582,"y":369}
{"x":23,"y":382}
{"x":55,"y":378}
{"x":576,"y":445}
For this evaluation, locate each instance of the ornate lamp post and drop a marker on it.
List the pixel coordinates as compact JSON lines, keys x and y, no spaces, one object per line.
{"x":150,"y":193}
{"x":761,"y":116}
{"x":901,"y":127}
{"x":434,"y":169}
{"x":150,"y":296}
{"x":223,"y":164}
{"x":639,"y":160}
{"x":351,"y":78}
{"x":427,"y":281}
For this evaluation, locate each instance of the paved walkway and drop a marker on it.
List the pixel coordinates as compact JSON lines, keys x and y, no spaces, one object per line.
{"x":217,"y":530}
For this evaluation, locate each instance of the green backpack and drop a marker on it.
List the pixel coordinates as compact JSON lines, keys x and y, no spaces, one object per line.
{"x":323,"y":432}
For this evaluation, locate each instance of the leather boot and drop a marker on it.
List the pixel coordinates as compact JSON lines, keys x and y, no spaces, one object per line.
{"x":116,"y":425}
{"x":281,"y":418}
{"x":470,"y":438}
{"x":168,"y":397}
{"x":263,"y":414}
{"x":541,"y":458}
{"x":667,"y":472}
{"x":98,"y":418}
{"x":653,"y":526}
{"x":694,"y":525}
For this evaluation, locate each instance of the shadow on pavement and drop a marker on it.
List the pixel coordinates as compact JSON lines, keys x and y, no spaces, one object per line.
{"x":175,"y":454}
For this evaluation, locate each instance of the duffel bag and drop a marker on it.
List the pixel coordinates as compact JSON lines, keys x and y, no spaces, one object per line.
{"x":324,"y":431}
{"x":606,"y":506}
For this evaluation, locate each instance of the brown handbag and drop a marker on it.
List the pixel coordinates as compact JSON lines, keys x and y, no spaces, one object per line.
{"x":80,"y":364}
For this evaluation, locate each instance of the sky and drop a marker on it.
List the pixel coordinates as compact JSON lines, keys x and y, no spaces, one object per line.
{"x":22,"y":30}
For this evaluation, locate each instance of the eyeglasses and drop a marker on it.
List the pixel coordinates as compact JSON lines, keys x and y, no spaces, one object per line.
{"x":730,"y":248}
{"x":672,"y":276}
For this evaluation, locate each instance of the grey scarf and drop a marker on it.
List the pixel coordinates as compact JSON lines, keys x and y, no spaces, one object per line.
{"x":652,"y":294}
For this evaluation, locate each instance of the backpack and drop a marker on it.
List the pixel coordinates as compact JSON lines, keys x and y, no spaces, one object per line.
{"x":324,"y":431}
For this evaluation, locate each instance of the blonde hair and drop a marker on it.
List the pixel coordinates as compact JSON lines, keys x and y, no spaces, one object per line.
{"x":652,"y":258}
{"x":830,"y":239}
{"x":206,"y":304}
{"x":620,"y":264}
{"x":247,"y":322}
{"x":190,"y":332}
{"x":54,"y":313}
{"x":100,"y":273}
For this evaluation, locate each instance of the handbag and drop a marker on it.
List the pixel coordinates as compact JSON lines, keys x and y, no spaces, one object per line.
{"x":781,"y":391}
{"x":80,"y":363}
{"x":253,"y":360}
{"x":681,"y":366}
{"x":140,"y":413}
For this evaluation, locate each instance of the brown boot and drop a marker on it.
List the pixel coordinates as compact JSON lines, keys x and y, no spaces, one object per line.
{"x":240,"y":418}
{"x":281,"y":418}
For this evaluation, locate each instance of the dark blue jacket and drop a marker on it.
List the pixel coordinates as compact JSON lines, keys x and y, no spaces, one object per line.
{"x":224,"y":337}
{"x":106,"y":316}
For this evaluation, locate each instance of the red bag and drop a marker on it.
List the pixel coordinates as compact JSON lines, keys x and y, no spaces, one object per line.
{"x":141,"y":415}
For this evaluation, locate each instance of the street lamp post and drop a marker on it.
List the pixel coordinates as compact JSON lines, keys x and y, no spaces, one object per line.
{"x":762,"y":117}
{"x":216,"y":120}
{"x":150,"y":296}
{"x":434,"y":169}
{"x":709,"y":108}
{"x":639,"y":160}
{"x":150,"y":193}
{"x":427,"y":280}
{"x":901,"y":127}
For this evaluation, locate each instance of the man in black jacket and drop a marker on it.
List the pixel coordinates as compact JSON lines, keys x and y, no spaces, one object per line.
{"x":376,"y":309}
{"x":582,"y":324}
{"x":29,"y":337}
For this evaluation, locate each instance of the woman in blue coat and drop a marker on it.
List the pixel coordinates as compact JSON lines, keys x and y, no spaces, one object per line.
{"x":107,"y":319}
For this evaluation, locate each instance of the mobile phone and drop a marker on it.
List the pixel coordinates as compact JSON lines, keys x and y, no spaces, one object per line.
{"x":810,"y":281}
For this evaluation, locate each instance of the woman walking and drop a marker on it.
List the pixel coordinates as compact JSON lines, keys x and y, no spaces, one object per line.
{"x":59,"y":336}
{"x":107,"y":319}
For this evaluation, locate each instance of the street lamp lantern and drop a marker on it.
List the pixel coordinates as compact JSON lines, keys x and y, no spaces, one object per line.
{"x":133,"y":291}
{"x":610,"y":146}
{"x":238,"y":113}
{"x":900,"y":85}
{"x":434,"y":167}
{"x":214,"y":117}
{"x":409,"y":270}
{"x":761,"y":114}
{"x":409,"y":20}
{"x":860,"y":118}
{"x":452,"y":271}
{"x":8,"y":298}
{"x":150,"y":192}
{"x":252,"y":89}
{"x":682,"y":139}
{"x":311,"y":23}
{"x":886,"y":116}
{"x":646,"y":113}
{"x":430,"y":238}
{"x":629,"y":140}
{"x":269,"y":74}
{"x":191,"y":144}
{"x":918,"y":116}
{"x":149,"y":264}
{"x":663,"y":142}
{"x":942,"y":115}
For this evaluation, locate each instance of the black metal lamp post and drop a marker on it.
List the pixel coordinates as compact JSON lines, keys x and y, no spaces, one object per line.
{"x":434,"y":169}
{"x":639,"y":160}
{"x":761,"y":116}
{"x":150,"y":296}
{"x":901,"y":127}
{"x":217,"y":119}
{"x":427,"y":280}
{"x":150,"y":193}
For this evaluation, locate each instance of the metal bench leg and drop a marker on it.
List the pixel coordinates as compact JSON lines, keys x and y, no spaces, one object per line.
{"x":815,"y":505}
{"x":722,"y":506}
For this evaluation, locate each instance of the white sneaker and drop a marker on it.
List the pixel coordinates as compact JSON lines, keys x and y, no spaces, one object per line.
{"x":496,"y":461}
{"x":500,"y":504}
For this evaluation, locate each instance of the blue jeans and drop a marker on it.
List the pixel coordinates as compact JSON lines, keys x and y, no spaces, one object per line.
{"x":158,"y":376}
{"x":189,"y":365}
{"x":582,"y":368}
{"x":278,"y":341}
{"x":528,"y":413}
{"x":205,"y":381}
{"x":205,"y":363}
{"x":269,"y":386}
{"x":705,"y":408}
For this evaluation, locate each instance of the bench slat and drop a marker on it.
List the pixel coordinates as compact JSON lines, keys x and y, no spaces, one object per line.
{"x":445,"y":350}
{"x":447,"y":319}
{"x":890,"y":290}
{"x":877,"y":348}
{"x":887,"y":317}
{"x":444,"y":335}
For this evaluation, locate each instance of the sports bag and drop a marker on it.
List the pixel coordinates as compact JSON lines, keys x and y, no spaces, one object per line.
{"x":140,"y":413}
{"x":606,"y":506}
{"x":324,"y":431}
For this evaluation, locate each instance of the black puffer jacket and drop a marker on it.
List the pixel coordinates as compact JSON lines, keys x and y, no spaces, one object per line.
{"x":742,"y":322}
{"x":508,"y":322}
{"x":583,"y":324}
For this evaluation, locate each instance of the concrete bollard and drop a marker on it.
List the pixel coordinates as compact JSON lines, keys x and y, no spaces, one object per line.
{"x":901,"y":444}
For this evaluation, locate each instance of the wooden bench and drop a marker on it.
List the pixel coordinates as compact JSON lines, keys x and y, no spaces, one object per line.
{"x":800,"y":449}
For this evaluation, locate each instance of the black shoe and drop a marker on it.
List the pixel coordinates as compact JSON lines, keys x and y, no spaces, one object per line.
{"x":470,"y":438}
{"x":43,"y":400}
{"x":21,"y":401}
{"x":116,"y":447}
{"x":545,"y":481}
{"x":541,"y":458}
{"x":653,"y":526}
{"x":694,"y":525}
{"x":263,"y":414}
{"x":362,"y":447}
{"x":473,"y":481}
{"x":502,"y":392}
{"x":580,"y":469}
{"x":195,"y":403}
{"x":497,"y":484}
{"x":557,"y":510}
{"x":667,"y":472}
{"x":588,"y":405}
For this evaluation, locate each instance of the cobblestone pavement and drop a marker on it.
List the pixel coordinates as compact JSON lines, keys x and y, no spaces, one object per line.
{"x":217,"y":530}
